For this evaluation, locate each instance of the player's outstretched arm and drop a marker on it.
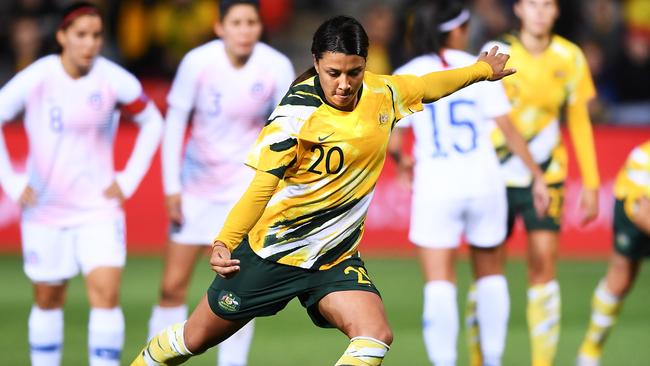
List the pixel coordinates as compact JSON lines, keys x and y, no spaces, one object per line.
{"x":490,"y":66}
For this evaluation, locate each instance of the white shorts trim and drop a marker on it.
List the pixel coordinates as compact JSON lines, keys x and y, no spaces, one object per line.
{"x":203,"y":219}
{"x":53,"y":254}
{"x":439,"y":223}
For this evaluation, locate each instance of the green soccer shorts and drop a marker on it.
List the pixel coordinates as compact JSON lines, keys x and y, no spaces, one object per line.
{"x":520,"y":202}
{"x":263,"y":288}
{"x":629,"y":241}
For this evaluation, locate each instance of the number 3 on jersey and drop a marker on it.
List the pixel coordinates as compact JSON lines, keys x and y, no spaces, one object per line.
{"x":459,"y":128}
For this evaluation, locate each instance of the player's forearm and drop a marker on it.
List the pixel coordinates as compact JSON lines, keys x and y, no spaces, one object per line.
{"x":583,"y":141}
{"x":248,"y":209}
{"x":517,"y":145}
{"x":442,"y":83}
{"x":150,"y":122}
{"x":172,"y":146}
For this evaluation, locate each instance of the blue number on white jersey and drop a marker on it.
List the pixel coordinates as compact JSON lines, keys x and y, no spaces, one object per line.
{"x":461,"y":145}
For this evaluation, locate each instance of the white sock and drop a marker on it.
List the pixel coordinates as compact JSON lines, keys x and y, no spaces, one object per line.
{"x":162,"y":317}
{"x":45,"y":336}
{"x":440,"y":322}
{"x":105,"y":336}
{"x":234,"y":350}
{"x":492,"y":310}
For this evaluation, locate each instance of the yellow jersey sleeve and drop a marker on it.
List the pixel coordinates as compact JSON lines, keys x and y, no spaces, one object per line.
{"x":248,"y":210}
{"x":407,"y":93}
{"x":581,"y":88}
{"x":275,"y":148}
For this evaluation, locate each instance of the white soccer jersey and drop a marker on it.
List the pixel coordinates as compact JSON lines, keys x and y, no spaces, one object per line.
{"x":230,"y":108}
{"x":453,"y":152}
{"x":70,"y":124}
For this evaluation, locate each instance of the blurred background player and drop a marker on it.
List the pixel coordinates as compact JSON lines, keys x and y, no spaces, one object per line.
{"x":631,"y":244}
{"x":457,"y":185}
{"x":296,"y":229}
{"x":231,"y":85}
{"x":71,"y":197}
{"x":552,"y":73}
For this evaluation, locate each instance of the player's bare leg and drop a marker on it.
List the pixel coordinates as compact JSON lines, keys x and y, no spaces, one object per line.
{"x":177,"y":343}
{"x":179,"y":261}
{"x":106,"y":320}
{"x":361,"y":316}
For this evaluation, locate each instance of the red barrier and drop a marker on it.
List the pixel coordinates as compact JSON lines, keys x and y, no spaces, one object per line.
{"x":388,"y":219}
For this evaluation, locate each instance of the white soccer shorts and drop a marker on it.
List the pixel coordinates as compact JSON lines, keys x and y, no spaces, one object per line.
{"x":202,"y":220}
{"x":439,"y":223}
{"x":54,"y":254}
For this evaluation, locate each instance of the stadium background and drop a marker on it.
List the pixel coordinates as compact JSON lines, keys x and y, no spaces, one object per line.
{"x":149,"y":38}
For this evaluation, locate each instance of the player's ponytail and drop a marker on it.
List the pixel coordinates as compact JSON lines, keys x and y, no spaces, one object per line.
{"x":340,"y":34}
{"x":432,"y":22}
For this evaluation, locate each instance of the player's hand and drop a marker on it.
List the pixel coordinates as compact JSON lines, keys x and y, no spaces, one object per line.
{"x":173,"y":204}
{"x":221,"y":263}
{"x":541,"y":197}
{"x":405,"y":172}
{"x":641,"y":215}
{"x":588,"y":205}
{"x":498,"y":63}
{"x":114,"y":192}
{"x":27,"y":198}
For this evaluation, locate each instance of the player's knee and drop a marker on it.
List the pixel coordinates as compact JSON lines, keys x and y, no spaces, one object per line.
{"x":173,"y":295}
{"x":383,"y":334}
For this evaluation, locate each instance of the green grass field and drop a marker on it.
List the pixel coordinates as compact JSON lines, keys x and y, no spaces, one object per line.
{"x":290,"y":339}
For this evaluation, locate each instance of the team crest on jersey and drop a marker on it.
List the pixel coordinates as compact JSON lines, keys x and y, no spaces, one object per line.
{"x":383,"y":118}
{"x":95,"y":100}
{"x":257,"y":89}
{"x":228,"y":301}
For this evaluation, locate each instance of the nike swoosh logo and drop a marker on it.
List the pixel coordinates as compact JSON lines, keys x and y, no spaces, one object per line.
{"x":321,"y":139}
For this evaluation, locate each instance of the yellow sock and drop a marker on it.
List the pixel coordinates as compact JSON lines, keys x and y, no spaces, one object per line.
{"x":605,"y":308}
{"x":544,"y":322}
{"x":472,"y":329}
{"x":363,"y":351}
{"x":166,"y":348}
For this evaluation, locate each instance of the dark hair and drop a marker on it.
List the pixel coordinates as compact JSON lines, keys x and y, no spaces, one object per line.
{"x":75,"y":10}
{"x":427,"y":16}
{"x":340,"y":34}
{"x":225,"y":5}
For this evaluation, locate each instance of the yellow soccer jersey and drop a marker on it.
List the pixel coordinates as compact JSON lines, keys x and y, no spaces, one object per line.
{"x":633,"y":181}
{"x":329,"y":161}
{"x":542,"y":85}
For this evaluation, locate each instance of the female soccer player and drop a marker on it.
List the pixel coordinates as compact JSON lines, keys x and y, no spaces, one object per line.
{"x":551,"y":73}
{"x":457,"y":186}
{"x":295,"y":231}
{"x":631,"y":245}
{"x":231,"y":84}
{"x":72,"y":199}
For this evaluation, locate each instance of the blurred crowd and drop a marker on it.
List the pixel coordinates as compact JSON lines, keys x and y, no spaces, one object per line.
{"x":149,"y":37}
